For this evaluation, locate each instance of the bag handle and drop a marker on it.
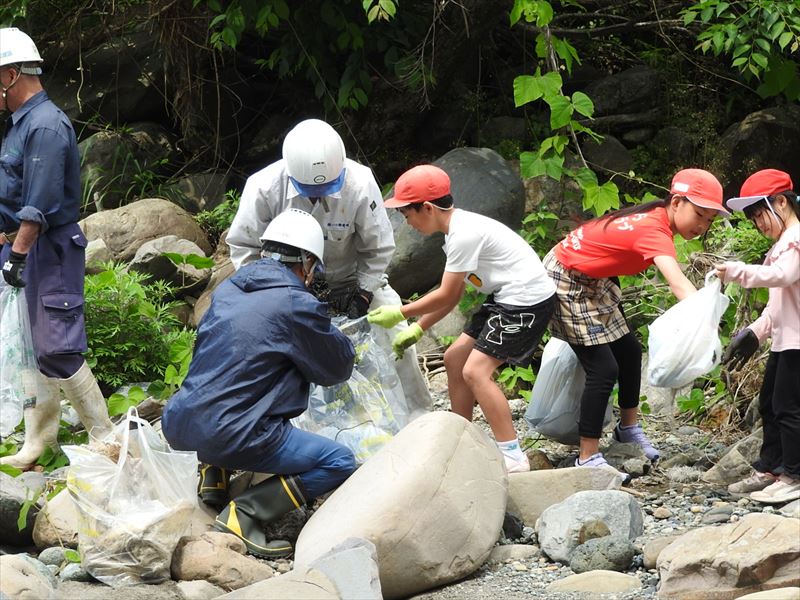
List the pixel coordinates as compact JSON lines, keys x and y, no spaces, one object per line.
{"x":133,"y":422}
{"x":711,"y":276}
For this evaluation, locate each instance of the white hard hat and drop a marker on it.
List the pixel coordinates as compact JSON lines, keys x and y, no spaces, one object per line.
{"x":16,"y":47}
{"x":314,"y":155}
{"x":296,"y":228}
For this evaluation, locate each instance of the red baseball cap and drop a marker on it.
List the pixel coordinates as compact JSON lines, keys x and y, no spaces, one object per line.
{"x":419,"y":184}
{"x":759,"y":186}
{"x":701,"y":188}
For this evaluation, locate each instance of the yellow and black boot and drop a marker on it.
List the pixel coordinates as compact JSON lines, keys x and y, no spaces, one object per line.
{"x":246,"y":515}
{"x":214,"y":485}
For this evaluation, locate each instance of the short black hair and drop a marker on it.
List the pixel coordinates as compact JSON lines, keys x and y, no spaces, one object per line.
{"x":445,"y":202}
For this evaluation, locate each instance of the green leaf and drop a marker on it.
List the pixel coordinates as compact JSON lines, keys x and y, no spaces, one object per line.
{"x":689,"y":16}
{"x":544,"y":13}
{"x":585,"y":177}
{"x":388,"y":7}
{"x":118,"y":404}
{"x":760,"y":60}
{"x":527,"y":88}
{"x":530,"y":165}
{"x":72,"y":556}
{"x":281,"y":9}
{"x":516,"y":12}
{"x":22,"y":519}
{"x":784,"y":40}
{"x":583,"y":104}
{"x":561,"y":110}
{"x":199,"y":262}
{"x":9,"y":470}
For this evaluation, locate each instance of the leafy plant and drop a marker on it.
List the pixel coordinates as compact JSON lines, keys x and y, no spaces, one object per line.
{"x":118,"y":404}
{"x":130,"y":327}
{"x":762,"y":38}
{"x":219,"y":218}
{"x":565,"y":110}
{"x":512,"y":379}
{"x":470,"y":300}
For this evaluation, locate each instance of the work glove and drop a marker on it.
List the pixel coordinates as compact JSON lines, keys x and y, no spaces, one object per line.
{"x":741,"y":347}
{"x":13,"y":268}
{"x":405,"y":339}
{"x":359,"y":304}
{"x":386,"y":316}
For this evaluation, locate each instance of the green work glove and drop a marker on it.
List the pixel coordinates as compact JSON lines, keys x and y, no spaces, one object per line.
{"x":405,"y":339}
{"x":386,"y":316}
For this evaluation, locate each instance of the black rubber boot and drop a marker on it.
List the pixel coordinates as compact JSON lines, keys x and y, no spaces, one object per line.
{"x":214,"y":486}
{"x":246,"y":515}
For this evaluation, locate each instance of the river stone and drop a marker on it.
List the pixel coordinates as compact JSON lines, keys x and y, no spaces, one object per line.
{"x":786,"y":593}
{"x":302,"y":582}
{"x":609,"y":553}
{"x":217,"y":558}
{"x":440,"y":465}
{"x":653,"y":549}
{"x":126,"y":228}
{"x":57,"y":522}
{"x":481,"y":181}
{"x":737,"y":461}
{"x":560,"y":525}
{"x":529,"y":494}
{"x":758,"y":552}
{"x":14,"y":491}
{"x":597,"y":582}
{"x":25,"y":578}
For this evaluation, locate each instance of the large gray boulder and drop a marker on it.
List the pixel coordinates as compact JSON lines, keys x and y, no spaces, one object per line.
{"x":185,"y":278}
{"x":14,"y":491}
{"x":766,"y":139}
{"x":126,"y":228}
{"x":482,"y":181}
{"x":561,"y":525}
{"x":432,"y":501}
{"x":759,"y":552}
{"x":120,"y":80}
{"x":118,"y":167}
{"x":22,"y":577}
{"x":736,"y":462}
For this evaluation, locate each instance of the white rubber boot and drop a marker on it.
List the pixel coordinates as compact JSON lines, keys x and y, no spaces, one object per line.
{"x":86,"y":398}
{"x":41,"y":422}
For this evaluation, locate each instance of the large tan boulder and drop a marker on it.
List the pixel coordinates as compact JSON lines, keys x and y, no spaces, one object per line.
{"x":305,"y":582}
{"x":25,"y":578}
{"x":759,"y":552}
{"x":432,"y":501}
{"x":529,"y":494}
{"x":126,"y":228}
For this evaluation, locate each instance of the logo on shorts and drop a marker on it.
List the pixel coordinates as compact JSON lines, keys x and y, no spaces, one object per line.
{"x":497,"y":327}
{"x":595,"y":329}
{"x":474,"y":280}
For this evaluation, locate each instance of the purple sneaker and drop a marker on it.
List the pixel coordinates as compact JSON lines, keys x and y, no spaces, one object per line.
{"x":634,"y":434}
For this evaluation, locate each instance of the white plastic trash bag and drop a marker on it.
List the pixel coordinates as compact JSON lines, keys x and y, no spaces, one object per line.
{"x":19,"y":373}
{"x":684,"y":342}
{"x":555,"y":406}
{"x":135,"y":497}
{"x":359,"y":413}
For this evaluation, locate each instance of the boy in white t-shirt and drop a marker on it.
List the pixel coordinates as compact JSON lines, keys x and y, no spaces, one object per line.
{"x":509,"y":325}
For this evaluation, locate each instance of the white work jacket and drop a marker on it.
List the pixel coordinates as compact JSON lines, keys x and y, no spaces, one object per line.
{"x":359,"y":242}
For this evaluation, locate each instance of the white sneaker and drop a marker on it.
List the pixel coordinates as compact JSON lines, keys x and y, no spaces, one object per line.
{"x":517,"y":466}
{"x":785,"y":489}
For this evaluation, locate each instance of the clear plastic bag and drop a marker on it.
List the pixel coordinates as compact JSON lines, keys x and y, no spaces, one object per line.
{"x":555,"y":407}
{"x":19,"y":373}
{"x":359,"y":413}
{"x":684,"y":342}
{"x":135,"y":498}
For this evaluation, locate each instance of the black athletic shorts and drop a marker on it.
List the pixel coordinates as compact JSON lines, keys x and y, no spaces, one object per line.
{"x":510,"y":333}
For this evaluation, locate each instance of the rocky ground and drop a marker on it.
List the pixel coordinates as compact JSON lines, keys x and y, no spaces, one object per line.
{"x":671,"y":494}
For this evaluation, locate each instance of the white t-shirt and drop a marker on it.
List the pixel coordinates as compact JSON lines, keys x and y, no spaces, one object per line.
{"x":496,"y":260}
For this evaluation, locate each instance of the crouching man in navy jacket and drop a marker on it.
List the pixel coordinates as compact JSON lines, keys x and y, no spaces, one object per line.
{"x":261,"y":344}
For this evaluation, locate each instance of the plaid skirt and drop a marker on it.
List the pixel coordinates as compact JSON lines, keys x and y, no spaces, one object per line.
{"x":588,"y":310}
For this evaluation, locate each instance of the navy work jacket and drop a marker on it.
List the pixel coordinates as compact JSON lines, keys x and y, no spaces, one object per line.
{"x":39,"y":167}
{"x":264,"y":339}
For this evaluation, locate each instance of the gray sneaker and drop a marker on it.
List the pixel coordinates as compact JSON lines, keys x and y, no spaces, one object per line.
{"x":756,"y":482}
{"x":598,"y":460}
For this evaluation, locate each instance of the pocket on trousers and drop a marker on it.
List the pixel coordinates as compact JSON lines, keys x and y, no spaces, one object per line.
{"x":66,"y":333}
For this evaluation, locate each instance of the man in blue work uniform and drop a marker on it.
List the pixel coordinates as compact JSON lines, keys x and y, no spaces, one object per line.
{"x":41,"y":246}
{"x":263,"y":341}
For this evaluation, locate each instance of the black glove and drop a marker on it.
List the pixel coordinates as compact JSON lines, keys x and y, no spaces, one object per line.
{"x":13,"y":268}
{"x":359,"y":304}
{"x":743,"y":345}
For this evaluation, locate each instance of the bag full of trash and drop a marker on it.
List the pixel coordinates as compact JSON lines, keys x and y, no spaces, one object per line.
{"x":684,"y":342}
{"x":135,"y":498}
{"x":359,"y":413}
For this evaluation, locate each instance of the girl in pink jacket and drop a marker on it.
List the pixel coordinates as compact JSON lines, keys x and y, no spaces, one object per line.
{"x":768,"y":200}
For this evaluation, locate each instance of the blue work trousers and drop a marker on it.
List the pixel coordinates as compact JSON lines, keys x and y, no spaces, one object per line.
{"x":53,"y":275}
